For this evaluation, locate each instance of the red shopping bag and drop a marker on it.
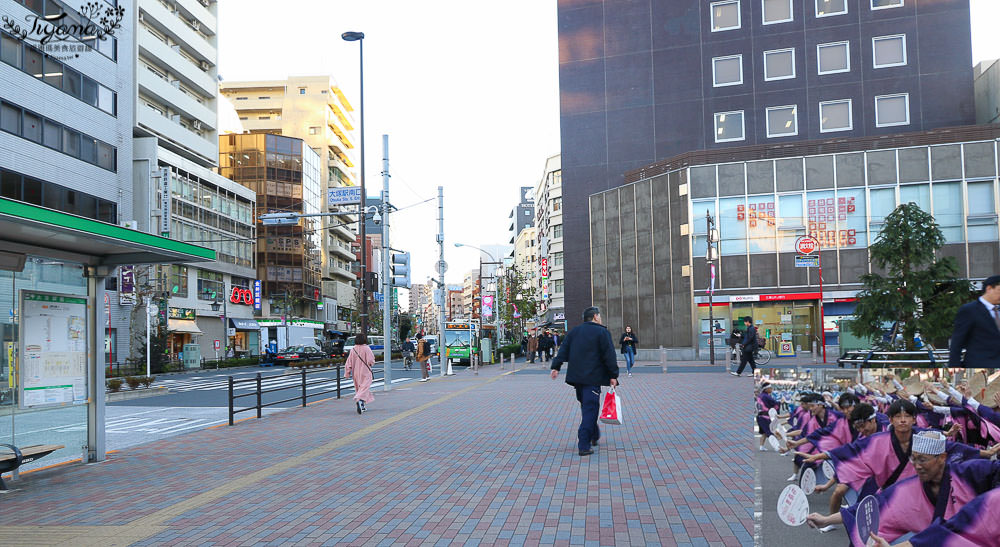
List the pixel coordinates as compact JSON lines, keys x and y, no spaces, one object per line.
{"x":611,"y":410}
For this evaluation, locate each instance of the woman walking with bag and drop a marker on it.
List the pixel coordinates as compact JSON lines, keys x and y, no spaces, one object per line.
{"x":628,"y":342}
{"x":359,"y":366}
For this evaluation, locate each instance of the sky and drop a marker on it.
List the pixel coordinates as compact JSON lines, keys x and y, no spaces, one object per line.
{"x":467,"y":91}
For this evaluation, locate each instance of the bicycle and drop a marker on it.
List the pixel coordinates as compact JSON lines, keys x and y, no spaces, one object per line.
{"x":407,"y":360}
{"x":762,"y":356}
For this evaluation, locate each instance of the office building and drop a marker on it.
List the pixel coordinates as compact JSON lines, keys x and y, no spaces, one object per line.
{"x":316,"y":110}
{"x":523,"y":214}
{"x":673,"y":78}
{"x":550,"y":282}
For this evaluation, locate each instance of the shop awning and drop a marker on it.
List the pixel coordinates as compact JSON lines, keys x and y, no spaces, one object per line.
{"x":26,"y":228}
{"x":243,"y":324}
{"x":183,"y":326}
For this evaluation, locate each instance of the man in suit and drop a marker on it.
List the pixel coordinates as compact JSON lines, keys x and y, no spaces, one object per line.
{"x":748,"y":347}
{"x":977,"y":330}
{"x":590,"y":352}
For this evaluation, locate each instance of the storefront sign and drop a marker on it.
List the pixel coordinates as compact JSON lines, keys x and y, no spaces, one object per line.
{"x":256,"y":294}
{"x":792,"y":296}
{"x":54,"y":349}
{"x":240,"y":295}
{"x":126,"y":286}
{"x":544,"y":267}
{"x":744,"y":298}
{"x":806,"y":261}
{"x":183,"y":313}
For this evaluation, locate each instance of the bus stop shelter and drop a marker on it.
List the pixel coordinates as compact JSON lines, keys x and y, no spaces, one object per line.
{"x":53,"y":268}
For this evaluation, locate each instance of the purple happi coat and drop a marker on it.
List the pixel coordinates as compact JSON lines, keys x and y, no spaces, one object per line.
{"x":909,"y":506}
{"x":764,"y":403}
{"x":837,"y":432}
{"x":881,"y":459}
{"x":975,"y":525}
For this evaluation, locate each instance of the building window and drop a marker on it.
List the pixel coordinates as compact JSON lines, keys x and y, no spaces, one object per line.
{"x":302,"y":91}
{"x":210,"y":285}
{"x":776,"y":11}
{"x":557,"y":258}
{"x":826,"y":8}
{"x":28,"y":125}
{"x":782,"y":121}
{"x":178,"y":281}
{"x":241,"y":98}
{"x":725,"y":15}
{"x":557,"y":231}
{"x":982,"y":219}
{"x":779,"y":64}
{"x":729,"y":126}
{"x":885,"y":4}
{"x":556,"y":204}
{"x":835,"y":116}
{"x":264,"y":97}
{"x":889,"y":51}
{"x":314,"y":130}
{"x":833,"y":57}
{"x":557,"y":286}
{"x":727,"y":70}
{"x":892,"y":110}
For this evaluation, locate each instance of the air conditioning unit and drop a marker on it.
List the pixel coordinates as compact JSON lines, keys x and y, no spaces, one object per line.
{"x":205,"y":3}
{"x":176,"y":118}
{"x":197,"y":125}
{"x":205,"y":65}
{"x":175,"y":83}
{"x":130,"y":224}
{"x":195,"y":24}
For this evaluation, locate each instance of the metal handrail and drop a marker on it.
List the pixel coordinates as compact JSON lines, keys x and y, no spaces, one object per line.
{"x":303,"y":386}
{"x":883,"y":357}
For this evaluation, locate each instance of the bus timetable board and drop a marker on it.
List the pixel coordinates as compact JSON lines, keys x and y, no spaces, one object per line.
{"x":461,"y":340}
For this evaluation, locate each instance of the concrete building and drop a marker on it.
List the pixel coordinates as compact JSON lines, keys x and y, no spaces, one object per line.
{"x":314,"y":109}
{"x":455,"y":311}
{"x":662,"y":79}
{"x":549,"y":232}
{"x":523,"y":214}
{"x":176,"y":66}
{"x":987,"y":86}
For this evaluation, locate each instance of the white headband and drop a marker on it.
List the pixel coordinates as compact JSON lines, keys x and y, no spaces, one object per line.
{"x":929,"y":442}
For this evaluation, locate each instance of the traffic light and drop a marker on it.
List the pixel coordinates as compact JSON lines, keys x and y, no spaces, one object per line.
{"x":401,"y":270}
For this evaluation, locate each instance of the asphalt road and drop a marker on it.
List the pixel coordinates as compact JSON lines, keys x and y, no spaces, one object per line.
{"x":773,"y":470}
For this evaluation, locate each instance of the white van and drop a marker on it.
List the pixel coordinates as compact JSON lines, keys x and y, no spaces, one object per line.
{"x":376,"y":343}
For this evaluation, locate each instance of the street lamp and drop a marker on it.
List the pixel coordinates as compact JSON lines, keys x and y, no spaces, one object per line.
{"x":359,"y":37}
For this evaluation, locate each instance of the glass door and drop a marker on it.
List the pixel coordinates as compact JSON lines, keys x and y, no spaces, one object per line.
{"x":804,"y":314}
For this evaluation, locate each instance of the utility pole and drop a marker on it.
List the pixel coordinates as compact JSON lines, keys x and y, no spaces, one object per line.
{"x":386,"y":273}
{"x":710,"y":257}
{"x":442,"y":266}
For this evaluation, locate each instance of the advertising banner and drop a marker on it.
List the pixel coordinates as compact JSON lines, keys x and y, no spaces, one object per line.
{"x":126,"y":286}
{"x":53,"y":349}
{"x":488,"y":306}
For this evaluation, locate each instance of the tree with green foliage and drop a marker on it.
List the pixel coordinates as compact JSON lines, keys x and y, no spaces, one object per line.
{"x":919,"y":292}
{"x":405,"y":326}
{"x":515,"y":297}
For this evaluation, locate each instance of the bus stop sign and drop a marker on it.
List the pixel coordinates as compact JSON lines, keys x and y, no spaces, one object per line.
{"x":806,"y":245}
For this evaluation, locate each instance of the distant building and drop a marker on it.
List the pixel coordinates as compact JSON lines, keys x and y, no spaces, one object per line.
{"x":523,"y":214}
{"x":549,"y":232}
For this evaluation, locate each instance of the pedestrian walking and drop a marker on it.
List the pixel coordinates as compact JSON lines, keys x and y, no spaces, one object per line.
{"x":524,"y":344}
{"x":545,"y":345}
{"x":977,"y":330}
{"x":423,"y":356}
{"x":735,"y":337}
{"x":532,"y":347}
{"x":590,"y":352}
{"x":359,"y":366}
{"x":628,"y":341}
{"x":748,"y":347}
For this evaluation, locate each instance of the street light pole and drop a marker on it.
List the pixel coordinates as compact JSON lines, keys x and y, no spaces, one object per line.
{"x":359,"y":37}
{"x":709,"y":224}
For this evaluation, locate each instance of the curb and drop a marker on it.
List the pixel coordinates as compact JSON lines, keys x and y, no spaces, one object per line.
{"x":111,"y":397}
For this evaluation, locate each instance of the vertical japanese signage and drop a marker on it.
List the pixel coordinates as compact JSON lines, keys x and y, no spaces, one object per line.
{"x":126,"y":285}
{"x":545,"y":267}
{"x":256,"y":294}
{"x":165,"y":201}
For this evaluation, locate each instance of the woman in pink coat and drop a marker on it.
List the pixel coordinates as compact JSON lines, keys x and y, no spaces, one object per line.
{"x":359,"y":366}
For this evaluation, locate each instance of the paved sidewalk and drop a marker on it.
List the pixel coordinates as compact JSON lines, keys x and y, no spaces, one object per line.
{"x":468,"y":459}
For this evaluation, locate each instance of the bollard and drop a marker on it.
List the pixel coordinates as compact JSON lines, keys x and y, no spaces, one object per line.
{"x":338,"y":380}
{"x":501,"y":361}
{"x":258,"y":395}
{"x":303,"y":387}
{"x":230,"y":400}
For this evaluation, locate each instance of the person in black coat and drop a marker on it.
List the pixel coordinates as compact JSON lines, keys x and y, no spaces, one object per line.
{"x":748,"y":347}
{"x":590,"y":352}
{"x":628,"y":341}
{"x":545,"y":344}
{"x":977,"y":330}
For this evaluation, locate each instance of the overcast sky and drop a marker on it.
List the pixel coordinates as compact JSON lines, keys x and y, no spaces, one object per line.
{"x":468,"y":92}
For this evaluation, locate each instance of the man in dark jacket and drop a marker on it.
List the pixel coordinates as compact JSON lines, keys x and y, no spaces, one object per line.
{"x":545,"y":345}
{"x":590,"y":352}
{"x":748,"y":347}
{"x":977,"y":330}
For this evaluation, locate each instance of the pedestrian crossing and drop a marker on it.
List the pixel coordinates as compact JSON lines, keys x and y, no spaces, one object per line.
{"x":221,"y":382}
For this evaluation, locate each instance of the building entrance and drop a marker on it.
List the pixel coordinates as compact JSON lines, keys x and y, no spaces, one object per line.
{"x":790,"y":327}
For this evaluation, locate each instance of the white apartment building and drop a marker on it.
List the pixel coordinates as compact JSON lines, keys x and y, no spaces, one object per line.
{"x":526,"y":253}
{"x":314,"y":109}
{"x":66,"y":123}
{"x":549,"y":233}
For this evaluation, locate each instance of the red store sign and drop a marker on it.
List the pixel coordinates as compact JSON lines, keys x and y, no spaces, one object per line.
{"x":241,"y":296}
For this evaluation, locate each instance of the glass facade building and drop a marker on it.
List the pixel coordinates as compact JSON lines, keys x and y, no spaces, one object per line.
{"x":649,"y":237}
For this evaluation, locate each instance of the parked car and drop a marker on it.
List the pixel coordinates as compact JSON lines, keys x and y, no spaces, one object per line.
{"x":294,"y":354}
{"x":376,"y":343}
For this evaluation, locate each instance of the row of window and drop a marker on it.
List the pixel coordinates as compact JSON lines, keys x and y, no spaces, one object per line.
{"x":831,"y":58}
{"x":213,"y":281}
{"x":783,"y":121}
{"x":36,"y":128}
{"x":46,"y":8}
{"x":61,"y":76}
{"x":726,"y":14}
{"x":46,"y":194}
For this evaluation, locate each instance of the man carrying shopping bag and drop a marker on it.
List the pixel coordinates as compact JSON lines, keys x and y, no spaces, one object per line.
{"x":590,"y":352}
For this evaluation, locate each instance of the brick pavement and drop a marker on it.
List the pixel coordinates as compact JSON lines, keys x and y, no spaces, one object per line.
{"x":469,"y":459}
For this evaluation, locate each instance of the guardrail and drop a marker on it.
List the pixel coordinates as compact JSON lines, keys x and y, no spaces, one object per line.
{"x":932,"y":357}
{"x":262,"y":385}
